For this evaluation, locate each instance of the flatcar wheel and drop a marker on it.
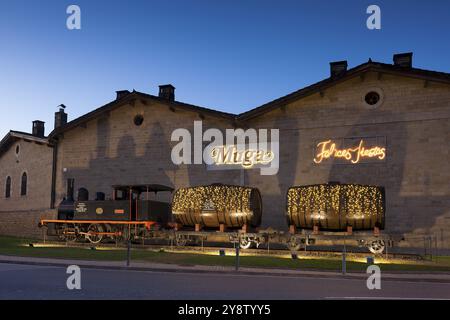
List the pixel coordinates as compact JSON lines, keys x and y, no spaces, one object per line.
{"x":245,"y":243}
{"x":92,"y":233}
{"x":180,"y":240}
{"x":377,"y":246}
{"x":293,"y":244}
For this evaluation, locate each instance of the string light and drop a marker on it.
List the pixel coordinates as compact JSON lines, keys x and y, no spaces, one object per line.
{"x":340,"y":204}
{"x":232,"y":200}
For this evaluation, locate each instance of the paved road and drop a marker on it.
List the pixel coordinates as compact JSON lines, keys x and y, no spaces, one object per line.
{"x":43,"y":282}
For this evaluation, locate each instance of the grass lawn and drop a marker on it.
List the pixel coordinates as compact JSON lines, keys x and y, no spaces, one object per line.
{"x":19,"y":247}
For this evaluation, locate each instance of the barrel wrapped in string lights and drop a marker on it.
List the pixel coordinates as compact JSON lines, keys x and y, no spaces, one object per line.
{"x":335,"y":206}
{"x":213,"y":205}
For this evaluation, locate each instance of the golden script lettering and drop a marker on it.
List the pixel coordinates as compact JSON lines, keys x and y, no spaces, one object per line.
{"x":246,"y":158}
{"x":328,"y":149}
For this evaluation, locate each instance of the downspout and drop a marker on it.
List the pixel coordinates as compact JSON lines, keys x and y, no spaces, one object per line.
{"x":53,"y":191}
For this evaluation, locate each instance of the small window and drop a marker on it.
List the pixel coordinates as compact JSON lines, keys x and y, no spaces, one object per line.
{"x":138,"y":119}
{"x":17,"y":149}
{"x":83,"y":194}
{"x":23,"y":185}
{"x":8,"y":188}
{"x":372,"y":98}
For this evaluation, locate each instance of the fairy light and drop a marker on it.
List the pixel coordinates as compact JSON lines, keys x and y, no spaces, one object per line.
{"x":220,"y":198}
{"x":353,"y":202}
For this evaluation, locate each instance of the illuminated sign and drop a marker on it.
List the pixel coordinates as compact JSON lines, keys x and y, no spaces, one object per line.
{"x":355,"y":154}
{"x":246,"y":158}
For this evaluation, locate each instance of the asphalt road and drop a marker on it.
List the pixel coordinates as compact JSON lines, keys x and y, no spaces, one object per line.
{"x":43,"y":282}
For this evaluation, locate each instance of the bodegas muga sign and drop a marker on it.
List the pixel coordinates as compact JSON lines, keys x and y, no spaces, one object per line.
{"x":351,"y":150}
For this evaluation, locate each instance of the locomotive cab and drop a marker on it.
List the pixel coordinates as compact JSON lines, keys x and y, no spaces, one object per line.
{"x":128,"y":203}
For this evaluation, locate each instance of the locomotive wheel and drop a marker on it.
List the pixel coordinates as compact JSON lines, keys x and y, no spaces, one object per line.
{"x":245,"y":243}
{"x":69,"y":233}
{"x":91,"y":233}
{"x":377,"y":246}
{"x":293,"y":244}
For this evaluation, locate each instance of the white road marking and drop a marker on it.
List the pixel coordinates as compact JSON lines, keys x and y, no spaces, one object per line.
{"x":384,"y":298}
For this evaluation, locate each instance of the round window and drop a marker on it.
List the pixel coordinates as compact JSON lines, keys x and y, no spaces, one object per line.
{"x":372,"y":98}
{"x":138,"y":120}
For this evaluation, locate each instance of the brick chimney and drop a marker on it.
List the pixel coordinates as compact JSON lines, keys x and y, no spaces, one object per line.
{"x":337,"y":68}
{"x":167,"y":92}
{"x":38,"y":128}
{"x":60,"y":116}
{"x":121,"y":93}
{"x":403,"y":59}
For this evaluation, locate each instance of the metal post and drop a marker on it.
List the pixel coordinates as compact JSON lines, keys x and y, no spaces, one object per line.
{"x":435,"y":245}
{"x":424,"y":247}
{"x":202,"y":245}
{"x":344,"y":262}
{"x":386,"y":243}
{"x":128,"y":252}
{"x":237,"y":252}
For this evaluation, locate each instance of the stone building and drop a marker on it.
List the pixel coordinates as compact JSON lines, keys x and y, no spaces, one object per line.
{"x":25,"y":170}
{"x":395,"y":107}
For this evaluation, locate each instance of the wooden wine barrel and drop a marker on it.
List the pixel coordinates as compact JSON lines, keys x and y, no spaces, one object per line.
{"x":335,"y":206}
{"x":210,"y":206}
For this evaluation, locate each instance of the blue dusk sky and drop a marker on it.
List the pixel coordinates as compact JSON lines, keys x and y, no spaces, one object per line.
{"x":227,"y":55}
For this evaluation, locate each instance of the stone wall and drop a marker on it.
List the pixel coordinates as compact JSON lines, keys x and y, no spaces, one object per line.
{"x":24,"y":223}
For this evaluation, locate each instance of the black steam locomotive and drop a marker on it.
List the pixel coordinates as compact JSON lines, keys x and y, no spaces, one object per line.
{"x":127,"y":215}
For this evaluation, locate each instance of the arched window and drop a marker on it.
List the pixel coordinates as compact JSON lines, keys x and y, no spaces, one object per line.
{"x":83,"y":194}
{"x":23,"y":185}
{"x":8,"y":187}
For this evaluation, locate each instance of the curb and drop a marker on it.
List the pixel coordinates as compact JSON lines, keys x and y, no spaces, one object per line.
{"x":180,"y":269}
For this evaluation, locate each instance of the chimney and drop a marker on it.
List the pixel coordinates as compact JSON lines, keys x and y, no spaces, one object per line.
{"x":121,"y":93}
{"x":337,"y":68}
{"x":60,"y":117}
{"x":167,"y":92}
{"x":403,"y":59}
{"x":38,"y":128}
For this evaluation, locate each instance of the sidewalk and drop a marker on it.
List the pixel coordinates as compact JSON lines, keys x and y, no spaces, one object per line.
{"x":159,"y":267}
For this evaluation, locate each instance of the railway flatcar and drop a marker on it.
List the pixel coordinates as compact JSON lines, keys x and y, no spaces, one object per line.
{"x":336,"y":209}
